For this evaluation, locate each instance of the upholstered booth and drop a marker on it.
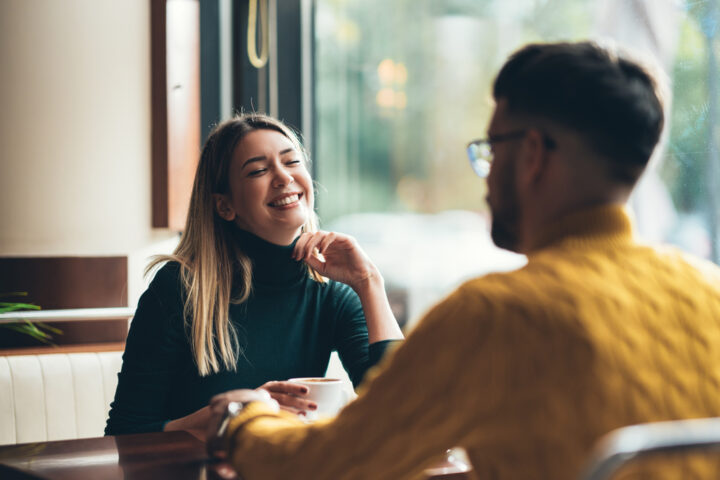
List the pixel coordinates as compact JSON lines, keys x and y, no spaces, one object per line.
{"x":56,"y":396}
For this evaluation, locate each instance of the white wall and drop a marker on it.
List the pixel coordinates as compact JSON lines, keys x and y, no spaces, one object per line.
{"x":75,"y":128}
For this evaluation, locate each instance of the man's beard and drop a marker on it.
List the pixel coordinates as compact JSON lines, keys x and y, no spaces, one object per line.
{"x":506,"y":217}
{"x":502,"y":230}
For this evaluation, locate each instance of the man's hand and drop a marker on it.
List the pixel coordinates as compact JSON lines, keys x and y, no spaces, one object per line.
{"x":220,"y":415}
{"x":223,"y":408}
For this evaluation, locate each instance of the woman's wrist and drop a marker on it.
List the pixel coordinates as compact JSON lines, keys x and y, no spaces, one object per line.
{"x":370,"y":284}
{"x":381,"y":323}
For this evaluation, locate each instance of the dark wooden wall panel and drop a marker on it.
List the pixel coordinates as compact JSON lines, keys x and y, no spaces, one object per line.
{"x":158,"y":99}
{"x":67,"y":282}
{"x":56,"y":283}
{"x":96,"y":332}
{"x":175,"y":96}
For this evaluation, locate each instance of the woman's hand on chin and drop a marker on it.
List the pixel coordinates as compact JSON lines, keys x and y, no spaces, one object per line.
{"x":337,"y":256}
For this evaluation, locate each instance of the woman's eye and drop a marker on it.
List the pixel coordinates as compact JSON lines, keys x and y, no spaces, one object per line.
{"x":257,"y":172}
{"x":293,"y":162}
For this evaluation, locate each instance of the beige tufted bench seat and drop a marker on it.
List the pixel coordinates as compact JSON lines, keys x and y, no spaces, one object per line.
{"x":56,"y":396}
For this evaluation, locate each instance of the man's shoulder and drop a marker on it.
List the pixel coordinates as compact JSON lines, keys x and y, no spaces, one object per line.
{"x":503,"y":294}
{"x":516,"y":285}
{"x":673,"y":254}
{"x":506,"y":303}
{"x":491,"y":284}
{"x":544,"y":292}
{"x":687,"y":268}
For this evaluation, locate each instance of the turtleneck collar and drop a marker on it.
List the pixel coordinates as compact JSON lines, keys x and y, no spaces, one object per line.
{"x":272,"y":264}
{"x":611,"y":224}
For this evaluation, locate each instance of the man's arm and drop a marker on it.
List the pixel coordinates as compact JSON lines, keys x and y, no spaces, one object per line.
{"x":405,"y":418}
{"x":485,"y":376}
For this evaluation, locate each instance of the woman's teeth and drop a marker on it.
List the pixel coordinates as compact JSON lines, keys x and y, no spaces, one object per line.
{"x":286,"y":201}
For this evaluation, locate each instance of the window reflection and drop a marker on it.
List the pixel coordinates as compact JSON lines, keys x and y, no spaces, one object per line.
{"x":402,"y":86}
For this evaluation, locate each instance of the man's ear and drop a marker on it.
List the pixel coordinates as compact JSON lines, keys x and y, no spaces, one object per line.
{"x":534,"y":155}
{"x":223,"y":207}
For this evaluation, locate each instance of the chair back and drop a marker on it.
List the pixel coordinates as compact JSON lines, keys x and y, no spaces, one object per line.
{"x":623,"y":445}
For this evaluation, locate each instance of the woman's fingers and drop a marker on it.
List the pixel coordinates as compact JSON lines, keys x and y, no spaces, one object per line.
{"x":285,"y":387}
{"x":336,"y":256}
{"x":294,"y":403}
{"x":299,"y":250}
{"x":326,"y":241}
{"x":289,"y":395}
{"x":306,"y":244}
{"x":317,"y":265}
{"x":313,"y":243}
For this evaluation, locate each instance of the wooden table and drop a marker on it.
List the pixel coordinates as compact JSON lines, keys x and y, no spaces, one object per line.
{"x":149,"y":456}
{"x":146,"y":456}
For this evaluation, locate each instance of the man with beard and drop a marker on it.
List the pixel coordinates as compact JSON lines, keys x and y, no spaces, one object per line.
{"x":527,"y":369}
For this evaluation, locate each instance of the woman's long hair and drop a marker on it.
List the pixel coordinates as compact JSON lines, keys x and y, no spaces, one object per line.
{"x":210,"y":257}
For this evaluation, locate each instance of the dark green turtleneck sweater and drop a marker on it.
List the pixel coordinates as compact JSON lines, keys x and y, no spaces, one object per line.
{"x":288,"y":328}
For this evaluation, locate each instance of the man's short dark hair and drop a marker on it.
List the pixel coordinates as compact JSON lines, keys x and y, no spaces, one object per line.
{"x":612,"y":101}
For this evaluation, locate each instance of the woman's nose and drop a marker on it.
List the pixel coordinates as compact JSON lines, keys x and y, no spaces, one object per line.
{"x":282,"y":178}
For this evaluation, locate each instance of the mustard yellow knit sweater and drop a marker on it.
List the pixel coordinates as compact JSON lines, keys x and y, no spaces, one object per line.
{"x":524,"y":369}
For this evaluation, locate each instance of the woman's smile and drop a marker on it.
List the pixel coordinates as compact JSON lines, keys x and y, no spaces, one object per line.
{"x":287,"y":200}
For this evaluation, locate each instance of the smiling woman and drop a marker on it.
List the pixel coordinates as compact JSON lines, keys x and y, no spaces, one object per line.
{"x":271,"y":191}
{"x":254,"y":294}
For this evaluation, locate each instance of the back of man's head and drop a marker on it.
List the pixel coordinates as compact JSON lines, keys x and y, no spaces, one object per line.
{"x":613,"y":102}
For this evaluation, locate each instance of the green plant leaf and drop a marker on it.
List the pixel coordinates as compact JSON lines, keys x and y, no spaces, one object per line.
{"x":14,"y":306}
{"x":14,"y":294}
{"x":30,"y":331}
{"x":37,"y":330}
{"x":49,"y":328}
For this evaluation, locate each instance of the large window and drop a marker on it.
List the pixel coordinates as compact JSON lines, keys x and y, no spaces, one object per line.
{"x":402,"y":86}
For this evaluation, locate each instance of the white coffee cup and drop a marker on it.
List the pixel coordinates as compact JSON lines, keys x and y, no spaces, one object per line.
{"x":327,"y":393}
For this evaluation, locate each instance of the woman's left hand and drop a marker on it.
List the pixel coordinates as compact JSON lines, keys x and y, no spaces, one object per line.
{"x":341,"y":258}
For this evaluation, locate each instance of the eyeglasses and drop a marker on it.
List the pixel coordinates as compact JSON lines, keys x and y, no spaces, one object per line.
{"x":480,"y":151}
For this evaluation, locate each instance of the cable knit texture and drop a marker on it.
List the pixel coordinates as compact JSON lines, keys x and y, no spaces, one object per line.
{"x":526,"y":369}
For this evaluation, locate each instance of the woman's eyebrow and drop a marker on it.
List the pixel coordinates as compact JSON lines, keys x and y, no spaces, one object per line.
{"x":262,"y":157}
{"x":253,"y":159}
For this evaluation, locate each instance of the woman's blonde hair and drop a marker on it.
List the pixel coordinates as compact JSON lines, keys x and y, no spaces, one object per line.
{"x":209,"y":255}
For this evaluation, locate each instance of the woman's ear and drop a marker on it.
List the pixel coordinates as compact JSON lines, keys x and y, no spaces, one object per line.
{"x":223,"y":207}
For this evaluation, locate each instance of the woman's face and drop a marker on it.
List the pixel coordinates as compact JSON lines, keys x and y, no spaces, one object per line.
{"x":271,"y":193}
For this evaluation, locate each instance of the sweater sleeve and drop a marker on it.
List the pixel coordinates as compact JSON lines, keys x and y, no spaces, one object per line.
{"x":458,"y":380}
{"x":397,"y":424}
{"x":149,"y":363}
{"x":351,"y":335}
